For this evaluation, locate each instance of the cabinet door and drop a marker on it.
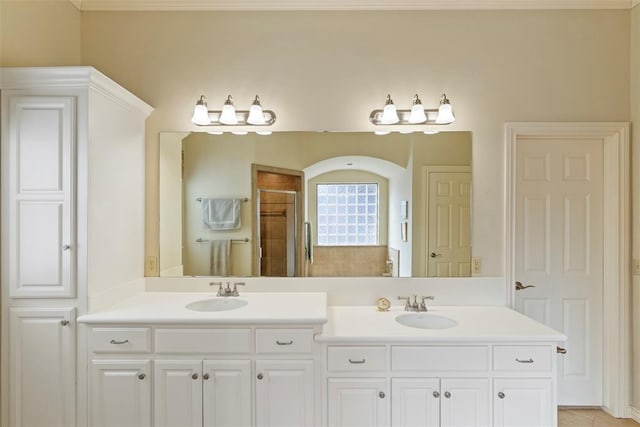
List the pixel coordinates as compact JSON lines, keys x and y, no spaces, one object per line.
{"x":415,"y":402}
{"x":284,"y":393}
{"x":226,"y":390}
{"x":358,"y":402}
{"x":464,"y":402}
{"x":38,"y":160}
{"x":120,"y":393}
{"x":523,"y":402}
{"x":177,"y":393}
{"x":41,"y":367}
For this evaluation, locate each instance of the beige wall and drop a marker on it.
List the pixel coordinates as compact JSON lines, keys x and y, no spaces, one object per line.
{"x":328,"y":70}
{"x":635,"y":188}
{"x":39,"y":33}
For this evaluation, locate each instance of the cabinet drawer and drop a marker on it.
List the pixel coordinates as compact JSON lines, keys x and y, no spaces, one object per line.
{"x":284,"y":340}
{"x":183,"y":341}
{"x":522,"y":358}
{"x":440,"y":358}
{"x":342,"y":358}
{"x":120,"y":340}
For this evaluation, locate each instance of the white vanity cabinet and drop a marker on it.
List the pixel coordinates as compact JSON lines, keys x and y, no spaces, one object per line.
{"x":210,"y":393}
{"x":223,"y":376}
{"x":120,"y":393}
{"x":72,"y":164}
{"x":448,"y":384}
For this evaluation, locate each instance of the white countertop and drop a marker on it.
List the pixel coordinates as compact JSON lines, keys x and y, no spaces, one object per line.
{"x":475,"y":324}
{"x":308,"y":308}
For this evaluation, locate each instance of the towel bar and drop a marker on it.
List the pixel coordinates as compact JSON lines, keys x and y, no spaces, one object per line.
{"x":245,"y":240}
{"x":199,"y":199}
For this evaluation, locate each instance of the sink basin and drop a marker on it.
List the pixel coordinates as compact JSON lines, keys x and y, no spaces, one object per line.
{"x":426,"y":321}
{"x":216,"y":304}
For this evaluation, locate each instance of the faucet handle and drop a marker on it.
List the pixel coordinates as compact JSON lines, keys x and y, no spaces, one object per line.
{"x":219,"y":287}
{"x":407,"y":304}
{"x":429,"y":297}
{"x":235,"y":288}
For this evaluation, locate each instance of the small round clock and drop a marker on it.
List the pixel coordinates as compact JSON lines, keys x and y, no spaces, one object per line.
{"x":383,"y":304}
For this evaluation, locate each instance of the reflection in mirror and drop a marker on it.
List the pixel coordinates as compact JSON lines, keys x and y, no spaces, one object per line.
{"x":363,"y":205}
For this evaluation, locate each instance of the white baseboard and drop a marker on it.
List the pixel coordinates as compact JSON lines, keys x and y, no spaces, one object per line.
{"x":634,"y":413}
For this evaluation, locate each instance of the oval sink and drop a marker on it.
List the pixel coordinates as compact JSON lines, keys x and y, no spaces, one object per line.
{"x":426,"y":321}
{"x":216,"y":304}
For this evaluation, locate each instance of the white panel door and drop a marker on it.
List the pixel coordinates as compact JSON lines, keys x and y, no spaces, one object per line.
{"x":177,"y":393}
{"x":226,"y":391}
{"x":522,"y":403}
{"x":449,"y":223}
{"x":40,"y":162}
{"x":358,"y":402}
{"x":284,"y":393}
{"x":42,"y":358}
{"x":464,"y":402}
{"x":558,"y":251}
{"x":120,"y":393}
{"x":415,"y":402}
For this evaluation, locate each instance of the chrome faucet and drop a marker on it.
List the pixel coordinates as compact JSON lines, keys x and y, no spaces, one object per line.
{"x":415,"y":306}
{"x":227,"y":292}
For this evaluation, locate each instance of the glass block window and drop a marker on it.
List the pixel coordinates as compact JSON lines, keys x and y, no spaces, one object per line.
{"x":347,"y":214}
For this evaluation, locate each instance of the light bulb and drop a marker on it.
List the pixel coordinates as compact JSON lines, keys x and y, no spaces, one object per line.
{"x":382,"y":132}
{"x":389,"y":113}
{"x":228,"y":115}
{"x":417,"y":111}
{"x":255,"y":113}
{"x":445,"y":112}
{"x":200,"y":112}
{"x":264,"y":132}
{"x":239,"y":132}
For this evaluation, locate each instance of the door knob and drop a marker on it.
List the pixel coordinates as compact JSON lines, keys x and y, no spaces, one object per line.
{"x":433,"y":255}
{"x":520,"y":286}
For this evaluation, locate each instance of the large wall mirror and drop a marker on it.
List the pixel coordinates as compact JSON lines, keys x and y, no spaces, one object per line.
{"x":297,"y":204}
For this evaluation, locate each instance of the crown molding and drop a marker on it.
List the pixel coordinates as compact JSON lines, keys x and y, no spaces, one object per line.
{"x":302,"y":5}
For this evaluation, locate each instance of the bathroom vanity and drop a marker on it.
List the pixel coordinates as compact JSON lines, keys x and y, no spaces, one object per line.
{"x":286,"y":359}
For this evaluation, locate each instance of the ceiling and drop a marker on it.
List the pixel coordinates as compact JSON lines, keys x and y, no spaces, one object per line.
{"x":240,"y":5}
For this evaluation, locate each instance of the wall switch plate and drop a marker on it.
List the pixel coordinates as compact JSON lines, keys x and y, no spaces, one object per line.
{"x":636,"y":267}
{"x":476,"y":265}
{"x":151,"y":266}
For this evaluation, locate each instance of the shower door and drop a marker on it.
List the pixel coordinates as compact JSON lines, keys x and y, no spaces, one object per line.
{"x":277,"y":232}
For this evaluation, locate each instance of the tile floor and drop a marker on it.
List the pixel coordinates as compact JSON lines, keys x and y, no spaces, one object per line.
{"x":568,"y":417}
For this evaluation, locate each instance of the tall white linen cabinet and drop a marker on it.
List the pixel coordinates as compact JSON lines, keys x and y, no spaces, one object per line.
{"x":72,"y":228}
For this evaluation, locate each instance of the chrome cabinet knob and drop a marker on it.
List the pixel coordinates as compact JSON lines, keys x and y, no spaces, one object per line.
{"x":66,"y":247}
{"x":64,"y":322}
{"x":436,"y":394}
{"x":205,"y":377}
{"x":447,"y":394}
{"x":194,"y":376}
{"x":381,"y":395}
{"x":501,"y":395}
{"x":142,"y":376}
{"x":260,"y":376}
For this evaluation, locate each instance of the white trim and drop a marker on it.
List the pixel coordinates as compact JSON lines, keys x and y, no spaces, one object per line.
{"x":616,"y":299}
{"x":264,"y":5}
{"x":70,"y":77}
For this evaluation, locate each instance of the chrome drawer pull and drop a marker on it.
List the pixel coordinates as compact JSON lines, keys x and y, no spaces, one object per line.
{"x":524,"y":361}
{"x":357,"y":362}
{"x":119,"y":342}
{"x":284,"y":342}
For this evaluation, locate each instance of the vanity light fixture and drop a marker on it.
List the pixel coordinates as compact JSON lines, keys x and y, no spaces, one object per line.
{"x":229,"y":116}
{"x":389,"y":115}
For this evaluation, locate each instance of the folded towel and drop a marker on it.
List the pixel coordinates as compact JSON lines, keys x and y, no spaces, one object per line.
{"x":221,"y":214}
{"x":220,"y":257}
